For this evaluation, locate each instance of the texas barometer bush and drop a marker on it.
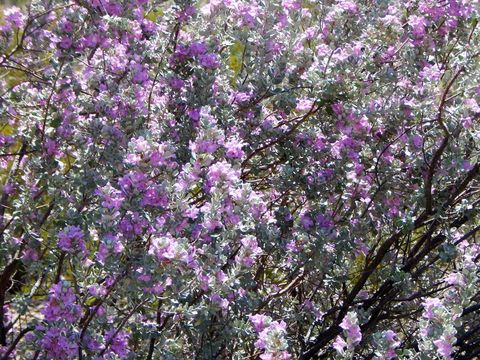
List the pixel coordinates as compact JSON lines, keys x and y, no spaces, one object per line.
{"x":240,"y":179}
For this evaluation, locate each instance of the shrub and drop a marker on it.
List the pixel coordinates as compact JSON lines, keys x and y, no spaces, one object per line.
{"x":239,"y":179}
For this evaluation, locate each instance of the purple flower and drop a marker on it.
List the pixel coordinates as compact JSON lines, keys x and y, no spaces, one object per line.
{"x":304,"y":105}
{"x":51,"y":147}
{"x":339,"y":344}
{"x":112,"y":198}
{"x":417,"y":141}
{"x":472,"y":105}
{"x":61,"y":304}
{"x":350,"y":325}
{"x":91,"y":40}
{"x":306,"y":221}
{"x":155,"y":197}
{"x":418,"y":24}
{"x":30,"y":255}
{"x":430,"y":304}
{"x":140,"y":74}
{"x":102,"y":253}
{"x":197,"y":48}
{"x":204,"y":146}
{"x":456,"y":279}
{"x":274,"y":47}
{"x":176,"y":83}
{"x":71,"y":239}
{"x":240,"y":97}
{"x":133,"y":181}
{"x":167,"y":248}
{"x":221,"y":172}
{"x":291,"y":4}
{"x":66,"y":25}
{"x":444,"y":347}
{"x":323,"y":221}
{"x":234,"y":149}
{"x":118,"y":341}
{"x":272,"y":340}
{"x":194,"y":114}
{"x":259,"y":321}
{"x":348,"y":6}
{"x":14,"y":17}
{"x":57,"y":345}
{"x":113,"y":8}
{"x":186,"y":14}
{"x":8,"y":189}
{"x":209,"y":61}
{"x":65,"y":43}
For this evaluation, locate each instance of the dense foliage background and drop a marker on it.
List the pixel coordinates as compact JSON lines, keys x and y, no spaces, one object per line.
{"x":246,"y":179}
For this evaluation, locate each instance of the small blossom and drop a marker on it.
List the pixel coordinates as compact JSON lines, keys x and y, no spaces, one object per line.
{"x":350,"y":326}
{"x":14,"y":17}
{"x":62,"y":304}
{"x":444,"y":347}
{"x":72,"y":238}
{"x":339,"y":344}
{"x":57,"y":344}
{"x":209,"y":61}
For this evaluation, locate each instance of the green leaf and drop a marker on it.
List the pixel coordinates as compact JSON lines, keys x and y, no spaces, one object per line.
{"x":235,"y":59}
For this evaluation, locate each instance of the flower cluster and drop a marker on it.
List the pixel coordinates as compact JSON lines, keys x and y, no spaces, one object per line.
{"x":71,"y":240}
{"x":271,"y":337}
{"x":386,"y":343}
{"x":62,"y":304}
{"x":352,"y":332}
